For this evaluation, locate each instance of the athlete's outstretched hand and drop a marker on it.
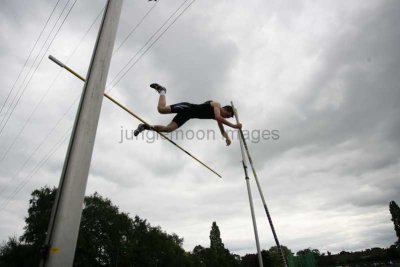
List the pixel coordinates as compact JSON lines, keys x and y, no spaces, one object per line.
{"x":228,"y":141}
{"x":238,"y":126}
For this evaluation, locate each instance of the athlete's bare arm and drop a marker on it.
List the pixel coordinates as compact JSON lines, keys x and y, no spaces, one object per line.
{"x":219,"y":118}
{"x":224,"y":134}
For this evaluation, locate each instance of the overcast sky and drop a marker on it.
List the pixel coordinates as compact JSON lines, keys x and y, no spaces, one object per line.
{"x":324,"y":75}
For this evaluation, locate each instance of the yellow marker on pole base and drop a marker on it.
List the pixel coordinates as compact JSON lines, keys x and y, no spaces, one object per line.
{"x":59,"y":63}
{"x":54,"y":250}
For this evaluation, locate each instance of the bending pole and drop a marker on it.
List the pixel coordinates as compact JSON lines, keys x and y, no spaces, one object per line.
{"x":59,"y":63}
{"x":241,"y":137}
{"x":244,"y":162}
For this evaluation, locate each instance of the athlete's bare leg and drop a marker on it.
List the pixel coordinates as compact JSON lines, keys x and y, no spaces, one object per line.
{"x":163,"y":109}
{"x":162,"y":105}
{"x":162,"y":101}
{"x":172,"y":126}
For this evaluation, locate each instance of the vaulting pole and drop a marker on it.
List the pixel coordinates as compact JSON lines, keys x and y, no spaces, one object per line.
{"x":62,"y":234}
{"x":62,"y":65}
{"x":241,"y":137}
{"x":244,"y":162}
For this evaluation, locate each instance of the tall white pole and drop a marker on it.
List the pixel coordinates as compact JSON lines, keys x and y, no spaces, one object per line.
{"x":67,"y":211}
{"x":244,"y":144}
{"x":244,"y":162}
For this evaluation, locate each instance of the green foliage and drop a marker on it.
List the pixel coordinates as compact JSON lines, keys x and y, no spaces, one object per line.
{"x":368,"y":257}
{"x":107,"y":237}
{"x":200,"y":256}
{"x":40,"y":206}
{"x":307,"y":251}
{"x":304,"y":258}
{"x":275,"y":257}
{"x":216,"y":244}
{"x":103,"y":234}
{"x":26,"y":251}
{"x":251,"y":260}
{"x":15,"y":254}
{"x":215,"y":256}
{"x":395,"y":211}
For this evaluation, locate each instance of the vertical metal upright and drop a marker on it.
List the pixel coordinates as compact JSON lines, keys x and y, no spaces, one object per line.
{"x":64,"y":224}
{"x":243,"y":143}
{"x":244,"y":162}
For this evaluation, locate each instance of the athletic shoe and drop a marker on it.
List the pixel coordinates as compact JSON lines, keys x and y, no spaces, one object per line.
{"x":158,"y":87}
{"x":141,"y":127}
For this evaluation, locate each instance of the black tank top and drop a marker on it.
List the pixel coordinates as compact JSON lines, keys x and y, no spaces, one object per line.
{"x":203,"y":111}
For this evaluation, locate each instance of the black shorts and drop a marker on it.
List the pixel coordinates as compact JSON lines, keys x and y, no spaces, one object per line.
{"x":184,"y":112}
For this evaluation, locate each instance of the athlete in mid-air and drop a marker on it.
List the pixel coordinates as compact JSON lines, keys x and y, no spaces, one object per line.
{"x":186,"y":111}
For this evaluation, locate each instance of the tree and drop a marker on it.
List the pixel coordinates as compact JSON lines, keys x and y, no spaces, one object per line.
{"x":26,"y":250}
{"x":200,"y":256}
{"x":216,"y":244}
{"x":249,"y":260}
{"x":215,"y":256}
{"x":103,"y":234}
{"x":395,"y":211}
{"x":306,"y":251}
{"x":39,"y":211}
{"x":219,"y":255}
{"x":275,"y":255}
{"x":14,"y":253}
{"x":107,"y":237}
{"x":393,"y":252}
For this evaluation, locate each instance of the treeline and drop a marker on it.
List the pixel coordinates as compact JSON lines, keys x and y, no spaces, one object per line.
{"x":368,"y":257}
{"x":108,"y":237}
{"x":313,"y":257}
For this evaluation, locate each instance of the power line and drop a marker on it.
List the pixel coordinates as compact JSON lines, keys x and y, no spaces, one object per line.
{"x":60,"y":119}
{"x":39,"y":146}
{"x":48,"y":90}
{"x":33,"y":73}
{"x":38,"y":166}
{"x":43,"y":141}
{"x":147,"y":42}
{"x":151,"y":45}
{"x":34,"y":61}
{"x":57,"y":145}
{"x":30,"y":53}
{"x":134,"y":28}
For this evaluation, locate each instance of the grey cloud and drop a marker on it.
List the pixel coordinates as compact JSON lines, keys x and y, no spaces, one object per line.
{"x":370,"y":88}
{"x":338,"y":131}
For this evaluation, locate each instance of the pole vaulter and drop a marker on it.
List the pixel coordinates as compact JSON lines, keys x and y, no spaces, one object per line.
{"x":62,"y":65}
